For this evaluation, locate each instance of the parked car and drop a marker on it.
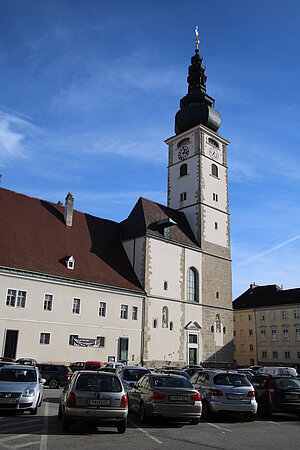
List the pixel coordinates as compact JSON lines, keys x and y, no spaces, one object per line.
{"x":254,"y":369}
{"x":130,"y":375}
{"x":96,"y":397}
{"x":249,"y":374}
{"x":225,"y":392}
{"x":21,"y":388}
{"x":276,"y":394}
{"x":26,"y":361}
{"x":192,"y":370}
{"x":290,"y":371}
{"x":165,"y":395}
{"x":56,"y":375}
{"x":182,"y":373}
{"x":92,"y":365}
{"x":79,"y":365}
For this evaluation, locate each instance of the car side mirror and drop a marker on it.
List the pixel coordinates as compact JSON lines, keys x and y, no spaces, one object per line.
{"x":42,"y":380}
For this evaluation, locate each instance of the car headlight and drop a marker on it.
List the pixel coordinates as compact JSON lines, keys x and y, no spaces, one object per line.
{"x":29,"y":393}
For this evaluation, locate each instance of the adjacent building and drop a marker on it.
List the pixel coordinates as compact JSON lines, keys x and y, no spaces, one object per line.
{"x":152,"y":289}
{"x":267,"y":326}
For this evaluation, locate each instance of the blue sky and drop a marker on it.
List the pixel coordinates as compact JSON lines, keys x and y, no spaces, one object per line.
{"x":89,"y":91}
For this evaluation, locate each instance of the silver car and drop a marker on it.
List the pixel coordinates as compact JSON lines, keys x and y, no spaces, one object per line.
{"x":165,"y":395}
{"x":225,"y":392}
{"x":130,"y":375}
{"x":21,"y":388}
{"x":95,"y":397}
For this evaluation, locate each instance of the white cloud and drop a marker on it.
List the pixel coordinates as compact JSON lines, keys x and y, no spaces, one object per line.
{"x":14,"y":131}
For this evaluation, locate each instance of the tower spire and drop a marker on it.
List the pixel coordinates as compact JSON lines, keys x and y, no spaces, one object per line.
{"x":197,"y":107}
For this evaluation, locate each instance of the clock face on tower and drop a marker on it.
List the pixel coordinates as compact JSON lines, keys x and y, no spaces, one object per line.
{"x":183,"y":153}
{"x":214,"y":153}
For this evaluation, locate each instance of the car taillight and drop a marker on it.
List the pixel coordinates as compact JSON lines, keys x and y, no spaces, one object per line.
{"x":158,"y":396}
{"x":69,"y":374}
{"x":196,"y":397}
{"x":216,"y":393}
{"x":124,"y":401}
{"x":71,"y":400}
{"x":251,"y":394}
{"x":271,"y":387}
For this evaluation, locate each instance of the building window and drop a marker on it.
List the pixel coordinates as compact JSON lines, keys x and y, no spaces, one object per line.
{"x":234,"y":333}
{"x":297,"y":331}
{"x":171,"y":326}
{"x":262,"y":316}
{"x":218,"y":323}
{"x":48,"y":302}
{"x":251,"y":347}
{"x":16,"y":298}
{"x":275,"y":355}
{"x":272,"y":315}
{"x":72,"y":337}
{"x":165,"y":285}
{"x":183,"y":170}
{"x":287,"y":355}
{"x":284,"y":314}
{"x":215,"y":197}
{"x":214,"y":170}
{"x":263,"y":335}
{"x":102,"y":309}
{"x":250,"y":332}
{"x":273,"y":334}
{"x":264,"y":354}
{"x":285,"y":332}
{"x":101,"y":341}
{"x":182,"y":196}
{"x":193,"y":339}
{"x":296,"y":314}
{"x":154,"y":323}
{"x":76,"y":306}
{"x":71,"y":263}
{"x":184,"y":141}
{"x":45,"y":338}
{"x":165,"y":317}
{"x":249,"y":316}
{"x":124,"y":312}
{"x":224,"y":330}
{"x":213,"y":142}
{"x":216,"y":225}
{"x":192,"y":285}
{"x":134,"y":312}
{"x":217,"y":295}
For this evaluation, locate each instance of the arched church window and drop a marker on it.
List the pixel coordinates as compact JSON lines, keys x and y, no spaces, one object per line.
{"x":214,"y":170}
{"x":165,"y":317}
{"x":218,"y":323}
{"x":192,"y":285}
{"x":213,"y":142}
{"x":184,"y":141}
{"x":183,"y":170}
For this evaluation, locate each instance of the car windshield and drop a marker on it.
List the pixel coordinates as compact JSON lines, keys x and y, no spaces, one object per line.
{"x":98,"y":383}
{"x":18,"y":375}
{"x":179,"y":382}
{"x":286,"y":384}
{"x":133,"y":374}
{"x":231,"y":379}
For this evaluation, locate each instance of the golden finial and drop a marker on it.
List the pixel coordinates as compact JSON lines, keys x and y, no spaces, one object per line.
{"x":197,"y":40}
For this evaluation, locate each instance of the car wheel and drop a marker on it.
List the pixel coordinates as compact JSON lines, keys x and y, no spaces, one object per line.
{"x":205,"y":411}
{"x":33,"y":411}
{"x":142,"y":413}
{"x":53,"y":383}
{"x":121,"y":427}
{"x":60,"y":413}
{"x":250,"y":417}
{"x":194,"y":421}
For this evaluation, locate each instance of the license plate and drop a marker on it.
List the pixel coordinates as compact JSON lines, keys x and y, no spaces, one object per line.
{"x":178,"y":398}
{"x":8,"y":400}
{"x":102,"y":402}
{"x":235,"y":397}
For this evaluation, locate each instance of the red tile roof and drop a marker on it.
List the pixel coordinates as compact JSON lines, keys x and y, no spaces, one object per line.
{"x":34,"y":237}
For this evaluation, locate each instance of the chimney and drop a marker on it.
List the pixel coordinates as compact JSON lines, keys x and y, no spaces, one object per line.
{"x":252,"y":287}
{"x":68,"y":216}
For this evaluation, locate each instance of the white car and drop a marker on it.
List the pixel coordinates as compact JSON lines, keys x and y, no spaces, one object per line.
{"x":21,"y":388}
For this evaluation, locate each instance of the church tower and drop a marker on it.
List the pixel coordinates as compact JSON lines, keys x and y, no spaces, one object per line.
{"x":198,"y":187}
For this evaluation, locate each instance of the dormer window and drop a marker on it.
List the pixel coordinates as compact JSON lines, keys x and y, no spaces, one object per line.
{"x":70,"y":262}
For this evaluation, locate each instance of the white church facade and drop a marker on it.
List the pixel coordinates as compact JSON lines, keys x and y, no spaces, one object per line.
{"x":153,"y":289}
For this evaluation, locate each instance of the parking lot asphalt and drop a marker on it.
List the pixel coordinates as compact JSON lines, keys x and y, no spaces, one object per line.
{"x":43,"y":432}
